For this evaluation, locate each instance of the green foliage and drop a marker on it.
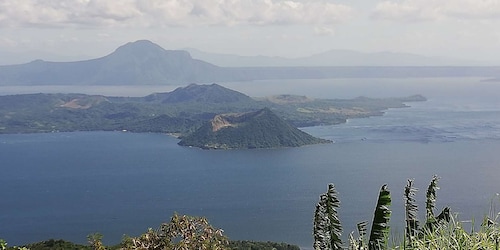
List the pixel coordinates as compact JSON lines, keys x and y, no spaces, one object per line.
{"x":360,"y":242}
{"x":453,"y":235}
{"x":182,"y":232}
{"x":56,"y":245}
{"x":430,"y":202}
{"x":380,"y":226}
{"x":95,"y":241}
{"x":180,"y":111}
{"x":431,"y":220}
{"x":253,"y":245}
{"x":3,"y":244}
{"x":415,"y":237}
{"x":327,"y":227}
{"x":66,"y":245}
{"x":411,"y":212}
{"x":412,"y":230}
{"x":259,"y":129}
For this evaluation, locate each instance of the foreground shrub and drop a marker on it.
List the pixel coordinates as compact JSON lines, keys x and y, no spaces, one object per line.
{"x":182,"y":232}
{"x":253,"y":245}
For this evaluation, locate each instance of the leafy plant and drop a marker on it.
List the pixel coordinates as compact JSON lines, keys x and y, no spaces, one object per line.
{"x":324,"y":236}
{"x":411,"y":212}
{"x":453,"y":235}
{"x":327,"y":226}
{"x":95,"y":241}
{"x":59,"y":244}
{"x":252,"y":245}
{"x":3,"y":244}
{"x":380,"y":226}
{"x":182,"y":233}
{"x":431,"y":220}
{"x":360,"y":242}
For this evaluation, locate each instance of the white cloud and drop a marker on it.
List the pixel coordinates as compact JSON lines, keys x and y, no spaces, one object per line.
{"x":478,"y":9}
{"x":430,"y":10}
{"x":7,"y":42}
{"x":324,"y":31}
{"x":406,"y":11}
{"x":154,"y":13}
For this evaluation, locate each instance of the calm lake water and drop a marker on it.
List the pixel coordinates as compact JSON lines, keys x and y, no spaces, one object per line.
{"x":68,"y":185}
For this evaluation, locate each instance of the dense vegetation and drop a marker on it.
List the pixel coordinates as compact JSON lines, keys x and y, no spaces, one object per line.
{"x":232,"y":245}
{"x":181,"y":233}
{"x":181,"y":111}
{"x":260,"y":129}
{"x":442,"y":231}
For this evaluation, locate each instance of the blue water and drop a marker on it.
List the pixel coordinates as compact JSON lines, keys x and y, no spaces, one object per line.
{"x":68,"y":185}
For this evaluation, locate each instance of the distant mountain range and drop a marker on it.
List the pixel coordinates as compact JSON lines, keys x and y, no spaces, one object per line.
{"x":145,"y":63}
{"x":331,"y":58}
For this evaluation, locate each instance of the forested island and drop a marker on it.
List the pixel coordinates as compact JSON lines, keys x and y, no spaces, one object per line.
{"x":185,"y":111}
{"x":259,"y":129}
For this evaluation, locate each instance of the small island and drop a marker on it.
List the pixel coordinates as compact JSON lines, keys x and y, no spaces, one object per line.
{"x":259,"y":129}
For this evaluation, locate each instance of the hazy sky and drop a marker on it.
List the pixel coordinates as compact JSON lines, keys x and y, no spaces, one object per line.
{"x":90,"y":28}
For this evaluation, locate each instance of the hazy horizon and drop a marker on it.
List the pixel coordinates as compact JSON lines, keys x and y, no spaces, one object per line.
{"x":78,"y":30}
{"x":332,"y":57}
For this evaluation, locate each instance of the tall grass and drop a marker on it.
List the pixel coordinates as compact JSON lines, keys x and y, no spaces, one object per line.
{"x":444,"y":231}
{"x":453,"y":235}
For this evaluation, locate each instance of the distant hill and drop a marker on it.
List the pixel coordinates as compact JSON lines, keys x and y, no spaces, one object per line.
{"x":331,"y":58}
{"x":259,"y":129}
{"x":137,"y":63}
{"x":213,"y":93}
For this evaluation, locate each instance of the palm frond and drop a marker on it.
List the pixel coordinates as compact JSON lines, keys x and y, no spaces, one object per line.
{"x":321,"y":225}
{"x":430,"y":202}
{"x":335,"y":225}
{"x":444,"y":216}
{"x":362,"y":229}
{"x":362,"y":234}
{"x":411,"y":211}
{"x":380,"y":226}
{"x":327,"y":229}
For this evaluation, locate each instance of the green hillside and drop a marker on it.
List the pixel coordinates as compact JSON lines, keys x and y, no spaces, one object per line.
{"x":185,"y":110}
{"x":259,"y":129}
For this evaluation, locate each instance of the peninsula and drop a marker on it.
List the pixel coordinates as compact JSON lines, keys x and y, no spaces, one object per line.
{"x":234,"y":119}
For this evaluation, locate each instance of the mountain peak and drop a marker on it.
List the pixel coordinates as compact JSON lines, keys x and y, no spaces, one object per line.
{"x":140,"y":45}
{"x":146,"y":49}
{"x":212,"y":93}
{"x":256,"y":129}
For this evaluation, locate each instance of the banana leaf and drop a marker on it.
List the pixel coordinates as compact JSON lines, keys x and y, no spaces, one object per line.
{"x":380,"y":227}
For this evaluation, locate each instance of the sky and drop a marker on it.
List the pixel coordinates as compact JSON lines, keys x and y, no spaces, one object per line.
{"x":84,"y":29}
